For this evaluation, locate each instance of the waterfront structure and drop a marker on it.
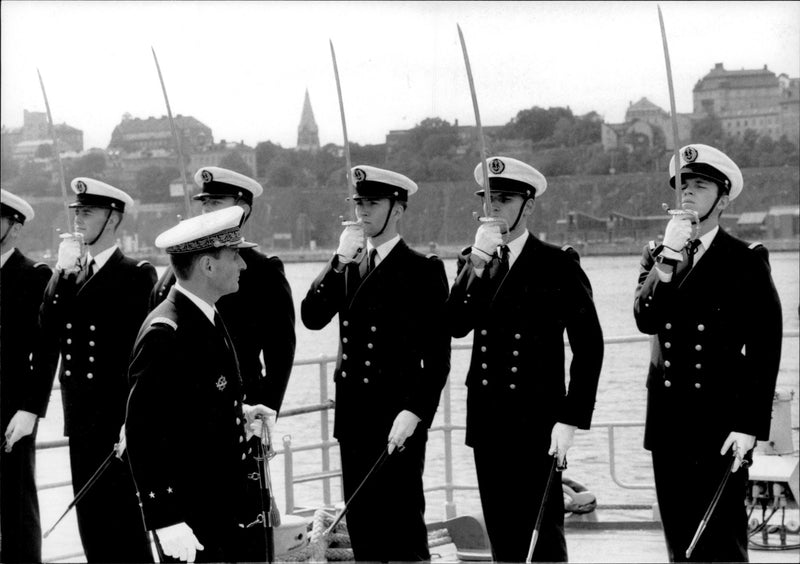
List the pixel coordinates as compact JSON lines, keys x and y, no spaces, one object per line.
{"x":135,"y":134}
{"x":644,"y":119}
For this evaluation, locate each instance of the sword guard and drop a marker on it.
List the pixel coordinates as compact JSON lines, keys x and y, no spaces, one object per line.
{"x":695,"y":217}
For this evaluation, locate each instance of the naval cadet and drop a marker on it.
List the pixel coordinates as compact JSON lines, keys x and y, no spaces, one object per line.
{"x":93,"y":306}
{"x":26,"y":378}
{"x":518,"y":295}
{"x":710,"y":303}
{"x":394,"y":358}
{"x":260,"y":316}
{"x":186,"y":420}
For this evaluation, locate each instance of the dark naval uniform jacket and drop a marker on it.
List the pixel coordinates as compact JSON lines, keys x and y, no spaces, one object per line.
{"x":260,"y":319}
{"x":715,"y":354}
{"x":26,"y":378}
{"x":394,"y":355}
{"x":93,"y":322}
{"x":517,"y":389}
{"x":186,"y":430}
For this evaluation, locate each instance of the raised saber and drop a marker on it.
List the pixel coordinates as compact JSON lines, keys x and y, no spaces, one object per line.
{"x":487,"y":196}
{"x":350,"y":189}
{"x":675,"y":141}
{"x":61,"y":176}
{"x":175,"y":138}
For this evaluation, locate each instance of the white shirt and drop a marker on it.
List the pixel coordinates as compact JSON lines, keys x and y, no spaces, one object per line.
{"x":705,"y":243}
{"x":383,"y":250}
{"x":5,"y":255}
{"x":207,"y":309}
{"x":101,"y":258}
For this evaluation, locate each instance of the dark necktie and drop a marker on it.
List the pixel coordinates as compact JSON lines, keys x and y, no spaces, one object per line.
{"x":368,"y":263}
{"x":86,"y":272}
{"x":683,"y":267}
{"x":223,"y":332}
{"x":502,"y":263}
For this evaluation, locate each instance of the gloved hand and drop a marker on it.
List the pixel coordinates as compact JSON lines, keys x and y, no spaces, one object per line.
{"x":741,"y":444}
{"x":122,"y":444}
{"x":403,"y":427}
{"x":70,"y":251}
{"x":351,"y":243}
{"x":678,"y":232}
{"x":255,"y":416}
{"x":20,"y":426}
{"x":178,"y":541}
{"x":488,"y":237}
{"x":561,"y":438}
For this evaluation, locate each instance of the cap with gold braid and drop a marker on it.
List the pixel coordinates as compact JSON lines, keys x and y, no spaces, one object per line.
{"x":205,"y":232}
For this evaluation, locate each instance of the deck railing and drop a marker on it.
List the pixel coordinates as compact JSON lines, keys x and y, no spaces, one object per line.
{"x":326,"y":442}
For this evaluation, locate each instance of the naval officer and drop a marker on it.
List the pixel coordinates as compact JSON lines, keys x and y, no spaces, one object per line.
{"x":187,"y":416}
{"x":260,"y":316}
{"x":394,"y":358}
{"x":93,"y":306}
{"x":710,"y":303}
{"x":26,"y":378}
{"x":518,"y":295}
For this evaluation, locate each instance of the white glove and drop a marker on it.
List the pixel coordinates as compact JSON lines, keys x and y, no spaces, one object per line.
{"x":20,"y":426}
{"x":255,"y":416}
{"x":488,"y":237}
{"x":561,"y":438}
{"x":123,"y":443}
{"x":403,"y":427}
{"x":351,"y":242}
{"x":678,"y":232}
{"x":741,"y":444}
{"x":178,"y":541}
{"x":70,"y":251}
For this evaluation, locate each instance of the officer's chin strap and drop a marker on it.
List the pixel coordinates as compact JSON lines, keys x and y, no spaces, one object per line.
{"x":247,"y":213}
{"x":713,"y":207}
{"x":3,"y":238}
{"x":388,"y":215}
{"x":102,"y":229}
{"x":519,"y":215}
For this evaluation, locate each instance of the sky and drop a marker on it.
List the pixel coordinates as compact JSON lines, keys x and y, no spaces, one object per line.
{"x":242,"y":68}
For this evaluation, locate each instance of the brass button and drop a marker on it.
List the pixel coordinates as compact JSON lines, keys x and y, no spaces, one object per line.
{"x":518,"y":336}
{"x":483,"y":349}
{"x":667,"y":383}
{"x":68,"y":373}
{"x":366,"y":380}
{"x":91,"y":359}
{"x":344,"y":374}
{"x":69,"y":341}
{"x":69,"y":325}
{"x":485,"y":382}
{"x":484,"y":365}
{"x":344,"y":339}
{"x":68,"y":356}
{"x":344,"y":356}
{"x":345,"y":323}
{"x":238,"y":421}
{"x":698,"y":366}
{"x":241,"y":439}
{"x":373,"y":328}
{"x":514,"y":369}
{"x":90,"y":375}
{"x":91,"y":327}
{"x":91,"y":343}
{"x":697,"y":385}
{"x":698,"y":347}
{"x":701,"y":327}
{"x":668,"y":326}
{"x":483,"y":331}
{"x":513,"y":386}
{"x":515,"y":353}
{"x":235,"y":403}
{"x":370,"y":346}
{"x":244,"y":456}
{"x":667,"y":345}
{"x":667,"y":364}
{"x":367,"y":363}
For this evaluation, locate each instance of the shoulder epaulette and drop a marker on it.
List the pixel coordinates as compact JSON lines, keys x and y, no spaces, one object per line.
{"x":142,"y":262}
{"x":38,"y":264}
{"x":567,"y":248}
{"x":754,"y":245}
{"x":165,"y":321}
{"x":652,"y":245}
{"x":431,"y":255}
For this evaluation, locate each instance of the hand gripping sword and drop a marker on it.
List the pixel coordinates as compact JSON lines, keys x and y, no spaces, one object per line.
{"x":270,"y":517}
{"x":61,"y":176}
{"x":175,"y":138}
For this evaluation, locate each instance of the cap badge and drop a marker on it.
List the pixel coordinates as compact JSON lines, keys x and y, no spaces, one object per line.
{"x":496,"y":166}
{"x":81,"y":186}
{"x":206,"y":176}
{"x":359,"y":175}
{"x":689,"y":154}
{"x":221,"y":383}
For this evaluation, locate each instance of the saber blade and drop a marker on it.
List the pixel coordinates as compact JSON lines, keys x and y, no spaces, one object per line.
{"x":56,"y":150}
{"x":675,"y":140}
{"x":350,"y":188}
{"x":487,"y":196}
{"x":540,"y":515}
{"x":175,"y":138}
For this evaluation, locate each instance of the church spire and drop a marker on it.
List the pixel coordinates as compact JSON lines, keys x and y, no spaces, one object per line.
{"x":307,"y":131}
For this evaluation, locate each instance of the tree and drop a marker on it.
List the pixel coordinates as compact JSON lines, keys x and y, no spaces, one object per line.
{"x":91,"y":165}
{"x":537,"y":124}
{"x":44,"y":151}
{"x":708,"y":131}
{"x":234,"y":161}
{"x":153,"y":182}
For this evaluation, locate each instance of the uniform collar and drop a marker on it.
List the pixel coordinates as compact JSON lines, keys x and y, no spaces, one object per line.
{"x":207,"y":309}
{"x":515,"y":247}
{"x":5,"y":256}
{"x":383,"y":249}
{"x":101,"y":258}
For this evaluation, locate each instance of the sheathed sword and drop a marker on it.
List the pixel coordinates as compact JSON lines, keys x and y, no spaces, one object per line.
{"x":554,"y":469}
{"x":175,"y":138}
{"x":86,"y":487}
{"x":61,"y":176}
{"x":487,"y":196}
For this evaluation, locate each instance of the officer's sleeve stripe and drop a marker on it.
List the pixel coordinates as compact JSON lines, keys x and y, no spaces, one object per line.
{"x":165,"y":321}
{"x":566,"y":248}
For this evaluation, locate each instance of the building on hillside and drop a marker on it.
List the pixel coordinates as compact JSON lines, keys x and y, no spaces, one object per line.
{"x":521,"y":149}
{"x":647,"y":119}
{"x":22,"y":143}
{"x":307,"y":131}
{"x":754,"y":99}
{"x":135,"y":134}
{"x":214,"y":155}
